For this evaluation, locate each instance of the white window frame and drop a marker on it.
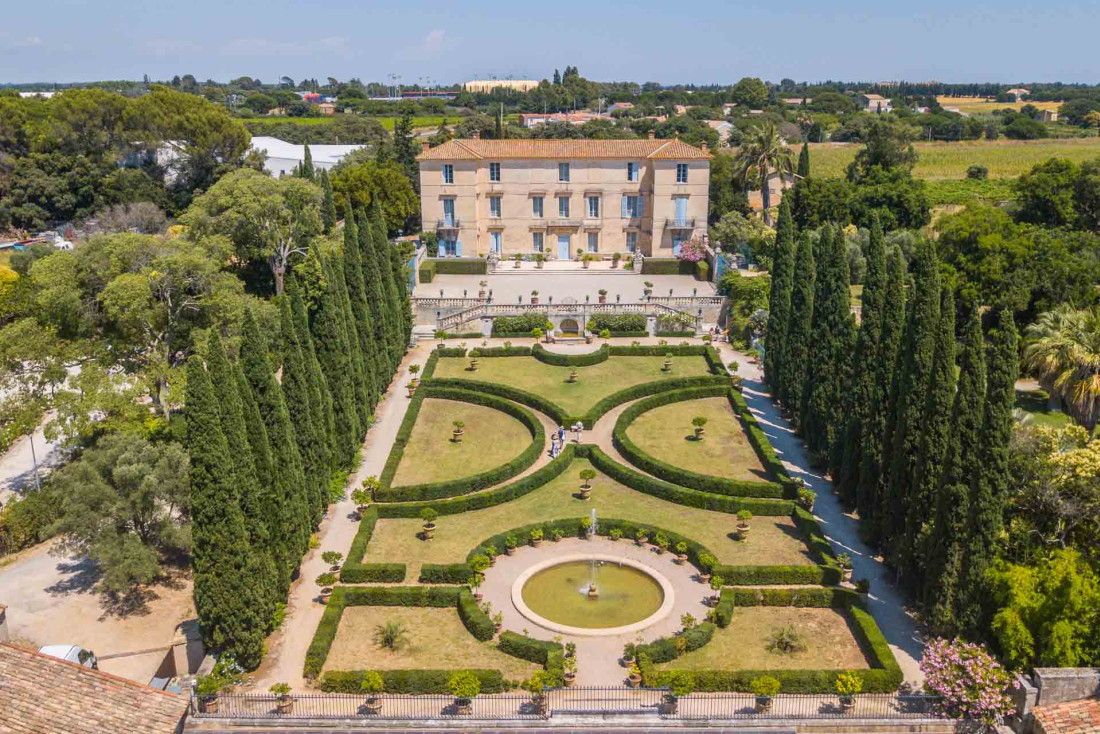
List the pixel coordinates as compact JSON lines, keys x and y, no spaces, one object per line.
{"x":563,"y":207}
{"x":593,"y":241}
{"x":631,"y":241}
{"x":496,"y":242}
{"x":451,"y":218}
{"x":593,"y":207}
{"x":635,"y":211}
{"x":538,"y":207}
{"x":681,"y":168}
{"x":448,"y":173}
{"x":563,"y":172}
{"x":538,"y":242}
{"x":494,"y":207}
{"x":494,"y":172}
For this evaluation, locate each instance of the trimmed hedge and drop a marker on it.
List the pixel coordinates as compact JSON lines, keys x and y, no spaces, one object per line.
{"x":627,"y":322}
{"x":571,"y":360}
{"x":685,"y":477}
{"x":707,"y":352}
{"x":427,"y":271}
{"x":445,"y":573}
{"x":412,"y":682}
{"x":476,"y":621}
{"x":815,"y":538}
{"x":512,"y":334}
{"x":664,"y":649}
{"x":429,"y":268}
{"x":501,"y":352}
{"x":462,"y":485}
{"x":354,"y":571}
{"x":489,"y":498}
{"x":761,"y":444}
{"x":667,"y":266}
{"x":433,"y":360}
{"x":630,"y":334}
{"x":509,"y":325}
{"x":551,"y":655}
{"x":465,"y":335}
{"x":676,"y":334}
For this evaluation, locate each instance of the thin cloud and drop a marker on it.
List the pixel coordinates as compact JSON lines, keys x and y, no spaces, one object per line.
{"x":433,"y":43}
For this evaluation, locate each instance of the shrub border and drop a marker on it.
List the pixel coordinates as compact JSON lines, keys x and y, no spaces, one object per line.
{"x":354,"y":571}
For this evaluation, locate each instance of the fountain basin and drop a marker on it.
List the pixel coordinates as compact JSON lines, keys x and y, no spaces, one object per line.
{"x":631,"y":595}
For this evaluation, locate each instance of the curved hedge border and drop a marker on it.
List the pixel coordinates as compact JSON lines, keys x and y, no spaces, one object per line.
{"x":545,"y":356}
{"x":664,"y":649}
{"x":685,"y":477}
{"x":462,"y":485}
{"x":551,"y":655}
{"x":884,"y":676}
{"x":354,"y":571}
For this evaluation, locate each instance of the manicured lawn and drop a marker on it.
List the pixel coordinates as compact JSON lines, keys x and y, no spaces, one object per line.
{"x":772,"y":540}
{"x":436,"y":639}
{"x":830,"y":644}
{"x":491,"y":439}
{"x":1036,"y":404}
{"x":666,"y":433}
{"x":593,"y":383}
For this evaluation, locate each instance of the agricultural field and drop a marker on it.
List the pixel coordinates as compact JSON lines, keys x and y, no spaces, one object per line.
{"x":306,"y":121}
{"x":985,"y":105}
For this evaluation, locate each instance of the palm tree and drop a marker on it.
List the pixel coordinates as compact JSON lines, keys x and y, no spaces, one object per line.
{"x":1063,"y":351}
{"x":763,"y":150}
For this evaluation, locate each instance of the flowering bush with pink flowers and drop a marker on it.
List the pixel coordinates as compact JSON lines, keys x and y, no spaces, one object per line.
{"x":693,"y":250}
{"x":971,"y":682}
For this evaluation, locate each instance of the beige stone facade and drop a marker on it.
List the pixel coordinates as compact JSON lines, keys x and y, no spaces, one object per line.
{"x":560,"y":196}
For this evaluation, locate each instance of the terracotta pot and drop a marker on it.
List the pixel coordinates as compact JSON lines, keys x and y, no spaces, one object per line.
{"x":509,"y":551}
{"x":603,"y":299}
{"x":373,"y":706}
{"x":763,"y":704}
{"x":536,"y":543}
{"x":534,"y":300}
{"x":284,"y":705}
{"x":570,"y":679}
{"x":209,"y":704}
{"x":585,"y":264}
{"x":704,"y":577}
{"x":626,"y":663}
{"x":539,"y":264}
{"x":325,"y":594}
{"x":668,"y":706}
{"x":681,"y":559}
{"x":634,"y":679}
{"x":462,"y":706}
{"x":847,"y":703}
{"x":360,"y":510}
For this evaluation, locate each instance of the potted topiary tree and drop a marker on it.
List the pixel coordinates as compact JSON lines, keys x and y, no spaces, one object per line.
{"x":765,"y":687}
{"x":699,"y":422}
{"x":518,"y":258}
{"x":464,"y":686}
{"x":535,"y":685}
{"x":573,"y":375}
{"x":603,"y":295}
{"x":806,"y":498}
{"x":414,"y":382}
{"x":536,"y":537}
{"x":845,"y":562}
{"x":333,"y":559}
{"x":556,"y":535}
{"x":628,"y":655}
{"x":743,"y":517}
{"x":587,"y":475}
{"x":716,"y":584}
{"x":661,"y":541}
{"x":284,"y":704}
{"x":474,"y":582}
{"x":482,"y":285}
{"x":534,"y":297}
{"x":680,"y":683}
{"x":615,"y":534}
{"x":372,"y":684}
{"x":536,"y":333}
{"x":365,"y":495}
{"x":510,"y":545}
{"x":634,"y":679}
{"x":848,"y":685}
{"x":428,"y":515}
{"x":570,"y":668}
{"x":456,"y":434}
{"x":540,"y":260}
{"x":498,"y":620}
{"x":863,"y":586}
{"x":208,"y":690}
{"x":615,"y":258}
{"x":587,"y":260}
{"x":707,"y":562}
{"x":441,"y":335}
{"x":667,"y":366}
{"x":474,"y":362}
{"x":648,"y":290}
{"x":325,"y":581}
{"x":681,"y":553}
{"x":605,"y":334}
{"x":641,"y":537}
{"x":491,"y":552}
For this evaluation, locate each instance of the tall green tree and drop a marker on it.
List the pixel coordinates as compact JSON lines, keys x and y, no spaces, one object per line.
{"x":946,"y":544}
{"x":990,"y":482}
{"x":379,"y":320}
{"x":804,"y":161}
{"x":935,"y":430}
{"x":288,"y":506}
{"x":404,"y":149}
{"x":910,"y":389}
{"x":395,"y":343}
{"x":360,"y":383}
{"x":260,"y":448}
{"x":333,"y":353}
{"x":229,"y":603}
{"x":859,"y":398}
{"x":320,"y":394}
{"x":328,"y":203}
{"x":763,"y":151}
{"x":873,"y":455}
{"x":353,"y":279}
{"x":251,"y":496}
{"x":401,"y":291}
{"x":832,"y":341}
{"x":779,"y":297}
{"x":307,"y":165}
{"x":796,"y":352}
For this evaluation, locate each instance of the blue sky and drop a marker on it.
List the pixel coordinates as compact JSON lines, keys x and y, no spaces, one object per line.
{"x":706,"y":41}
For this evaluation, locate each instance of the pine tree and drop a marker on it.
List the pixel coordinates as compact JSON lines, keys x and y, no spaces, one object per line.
{"x":230,"y":603}
{"x":874,"y":457}
{"x":353,"y":278}
{"x":858,"y":399}
{"x":318,"y":385}
{"x":378,"y":319}
{"x":779,"y":297}
{"x":796,"y":352}
{"x":935,"y":430}
{"x":990,"y":482}
{"x":223,"y":378}
{"x":299,"y":405}
{"x":328,"y":206}
{"x":804,"y":161}
{"x":833,"y":339}
{"x":288,"y":508}
{"x":910,"y":389}
{"x":334,"y":357}
{"x":946,"y":543}
{"x":307,"y":164}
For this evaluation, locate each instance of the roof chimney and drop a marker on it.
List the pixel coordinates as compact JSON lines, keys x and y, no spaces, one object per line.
{"x":476,"y":135}
{"x":652,"y":135}
{"x":704,"y":146}
{"x":427,"y":145}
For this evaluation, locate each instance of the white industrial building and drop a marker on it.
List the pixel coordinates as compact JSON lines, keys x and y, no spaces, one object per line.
{"x":281,"y":157}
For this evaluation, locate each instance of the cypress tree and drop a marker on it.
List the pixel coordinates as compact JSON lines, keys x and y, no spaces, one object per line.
{"x":382,"y":319}
{"x":990,"y":481}
{"x":288,"y":508}
{"x":299,"y":404}
{"x":935,"y":429}
{"x":859,"y":398}
{"x":796,"y":352}
{"x":350,"y":335}
{"x":910,"y":389}
{"x":395,"y":345}
{"x":320,"y":395}
{"x":223,"y":378}
{"x":872,"y":463}
{"x":401,"y":288}
{"x":946,"y":543}
{"x":779,"y":297}
{"x":832,"y":342}
{"x":260,"y":446}
{"x":328,"y":205}
{"x":353,"y":278}
{"x":230,"y":604}
{"x":307,"y":164}
{"x":804,"y":161}
{"x":333,"y":355}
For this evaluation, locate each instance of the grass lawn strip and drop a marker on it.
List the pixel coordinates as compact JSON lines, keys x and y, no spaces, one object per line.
{"x":491,"y":438}
{"x":551,"y":382}
{"x":437,"y":639}
{"x":666,"y":433}
{"x":774,"y":540}
{"x":830,"y":643}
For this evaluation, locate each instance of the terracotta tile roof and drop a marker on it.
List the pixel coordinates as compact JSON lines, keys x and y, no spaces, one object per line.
{"x":40,"y":694}
{"x":1069,"y":717}
{"x":471,"y":149}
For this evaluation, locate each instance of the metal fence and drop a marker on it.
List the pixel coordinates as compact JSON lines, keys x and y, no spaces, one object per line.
{"x":577,"y":701}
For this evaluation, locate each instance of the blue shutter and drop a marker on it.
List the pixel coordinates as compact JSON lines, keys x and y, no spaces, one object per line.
{"x":624,"y":206}
{"x":458,"y":248}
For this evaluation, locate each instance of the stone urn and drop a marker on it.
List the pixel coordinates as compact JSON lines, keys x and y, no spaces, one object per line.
{"x":586,"y":492}
{"x":429,"y":530}
{"x":681,"y":559}
{"x":284,"y":704}
{"x":699,"y":431}
{"x":463,"y":705}
{"x":361,"y":510}
{"x":456,"y":435}
{"x":847,"y":703}
{"x":603,"y":298}
{"x":373,"y":706}
{"x":742,"y":530}
{"x":763,"y":704}
{"x":509,"y":551}
{"x":326,"y":592}
{"x":209,"y":704}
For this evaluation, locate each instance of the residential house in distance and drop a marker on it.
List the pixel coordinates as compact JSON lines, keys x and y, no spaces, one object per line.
{"x":1048,"y":116}
{"x":1017,"y":94}
{"x":620,"y":106}
{"x":281,"y":157}
{"x":557,"y":196}
{"x":326,"y":108}
{"x":874,"y":103}
{"x":529,"y":120}
{"x":723,"y":128}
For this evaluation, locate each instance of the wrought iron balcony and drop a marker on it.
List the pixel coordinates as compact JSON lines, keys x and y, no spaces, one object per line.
{"x":679,"y":224}
{"x":447,"y":224}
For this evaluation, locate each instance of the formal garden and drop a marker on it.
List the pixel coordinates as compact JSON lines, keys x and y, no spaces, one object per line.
{"x":664,"y":471}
